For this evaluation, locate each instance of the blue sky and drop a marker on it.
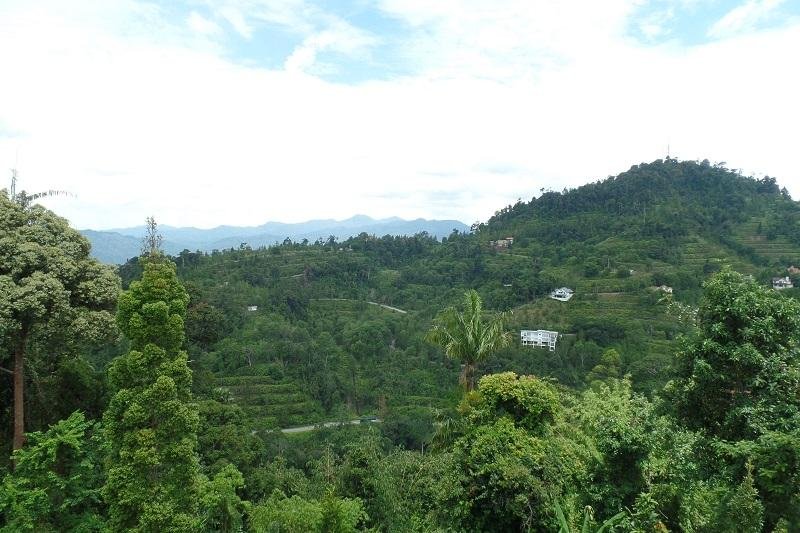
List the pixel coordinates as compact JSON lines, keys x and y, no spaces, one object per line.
{"x":205,"y":112}
{"x":366,"y":40}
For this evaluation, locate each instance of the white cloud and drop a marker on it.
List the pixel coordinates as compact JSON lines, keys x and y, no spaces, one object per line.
{"x":296,"y":15}
{"x":744,"y":17}
{"x":136,"y":119}
{"x":340,"y":37}
{"x":237,"y":20}
{"x":198,"y":23}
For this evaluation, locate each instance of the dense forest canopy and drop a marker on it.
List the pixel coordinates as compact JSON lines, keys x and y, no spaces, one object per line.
{"x":671,"y":400}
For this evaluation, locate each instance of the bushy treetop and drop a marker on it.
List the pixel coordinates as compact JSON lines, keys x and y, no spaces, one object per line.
{"x":740,"y":376}
{"x":153,"y":309}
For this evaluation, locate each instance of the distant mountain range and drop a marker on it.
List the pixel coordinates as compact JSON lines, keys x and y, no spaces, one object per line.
{"x":119,"y":245}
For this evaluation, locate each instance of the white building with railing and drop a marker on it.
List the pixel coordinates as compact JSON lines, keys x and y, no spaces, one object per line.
{"x":539,"y":338}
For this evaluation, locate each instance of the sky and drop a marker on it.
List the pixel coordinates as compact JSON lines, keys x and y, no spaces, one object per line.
{"x":203,"y":112}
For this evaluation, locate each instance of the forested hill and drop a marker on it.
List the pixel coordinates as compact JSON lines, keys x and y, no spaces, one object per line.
{"x":673,"y":219}
{"x":701,"y":382}
{"x":667,"y":198}
{"x":665,"y":223}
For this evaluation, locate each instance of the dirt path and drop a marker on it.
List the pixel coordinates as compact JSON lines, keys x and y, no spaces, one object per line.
{"x":389,"y":307}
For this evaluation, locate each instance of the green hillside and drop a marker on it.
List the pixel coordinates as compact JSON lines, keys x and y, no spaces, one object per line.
{"x":315,"y":349}
{"x":330,"y":342}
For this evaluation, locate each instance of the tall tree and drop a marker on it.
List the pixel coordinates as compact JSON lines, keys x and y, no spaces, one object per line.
{"x":739,"y":376}
{"x":53,"y":296}
{"x":468,"y":335}
{"x":151,"y":243}
{"x":151,"y":425}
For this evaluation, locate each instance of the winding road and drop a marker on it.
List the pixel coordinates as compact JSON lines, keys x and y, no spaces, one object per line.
{"x":389,"y":307}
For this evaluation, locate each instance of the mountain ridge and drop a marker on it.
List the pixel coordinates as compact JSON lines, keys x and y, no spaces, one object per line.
{"x":117,"y":245}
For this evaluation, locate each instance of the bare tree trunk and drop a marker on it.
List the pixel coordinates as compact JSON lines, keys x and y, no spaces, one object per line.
{"x":467,"y":377}
{"x":19,"y":391}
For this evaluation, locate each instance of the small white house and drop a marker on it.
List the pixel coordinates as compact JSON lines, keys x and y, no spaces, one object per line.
{"x":782,"y":283}
{"x":664,"y":288}
{"x":502,"y":243}
{"x":562,"y":295}
{"x":539,"y":338}
{"x":252,"y":308}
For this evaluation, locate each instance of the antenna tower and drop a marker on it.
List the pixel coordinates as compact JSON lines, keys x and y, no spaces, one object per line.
{"x":13,"y":182}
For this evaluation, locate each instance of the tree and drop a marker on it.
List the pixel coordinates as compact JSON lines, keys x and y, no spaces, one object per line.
{"x":468,"y":336}
{"x":608,"y":367}
{"x":53,"y":296}
{"x":151,"y":243}
{"x":56,"y":483}
{"x":739,"y":376}
{"x":150,"y":424}
{"x":511,"y":462}
{"x":737,"y":385}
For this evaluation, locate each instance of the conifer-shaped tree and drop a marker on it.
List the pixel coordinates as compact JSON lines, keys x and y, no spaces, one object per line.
{"x":151,"y":425}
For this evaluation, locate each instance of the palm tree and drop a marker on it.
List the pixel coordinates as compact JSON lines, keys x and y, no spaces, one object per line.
{"x":467,"y":336}
{"x":564,"y":526}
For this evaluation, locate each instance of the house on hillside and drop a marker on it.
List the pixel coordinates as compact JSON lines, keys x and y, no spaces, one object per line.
{"x":252,"y":308}
{"x":502,"y":244}
{"x":539,"y":338}
{"x":664,"y":288}
{"x":562,"y":295}
{"x":782,"y":283}
{"x":793,"y":270}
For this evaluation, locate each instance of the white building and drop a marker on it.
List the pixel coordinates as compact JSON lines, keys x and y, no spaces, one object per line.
{"x":782,"y":283}
{"x":252,"y":308}
{"x":664,"y":288}
{"x":562,"y":295}
{"x":502,"y":243}
{"x":540,"y":338}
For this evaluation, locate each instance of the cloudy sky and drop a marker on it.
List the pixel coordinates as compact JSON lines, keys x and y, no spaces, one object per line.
{"x":205,"y":112}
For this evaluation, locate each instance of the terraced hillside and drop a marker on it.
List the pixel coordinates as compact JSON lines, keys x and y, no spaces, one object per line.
{"x":703,"y":253}
{"x":316,"y":349}
{"x":776,"y":250}
{"x":270,"y":403}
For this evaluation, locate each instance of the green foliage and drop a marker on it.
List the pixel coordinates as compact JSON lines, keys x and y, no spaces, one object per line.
{"x":152,"y":310}
{"x":565,"y":527}
{"x":511,"y":462}
{"x":718,"y":451}
{"x":609,"y":367}
{"x":715,"y":506}
{"x":467,"y":336}
{"x":298,"y":515}
{"x":54,"y":299}
{"x":409,"y":427}
{"x":150,"y":424}
{"x":292,"y":515}
{"x":221,"y":506}
{"x":746,"y":512}
{"x":530,"y":402}
{"x":617,"y":423}
{"x":57,"y":480}
{"x":225,"y":438}
{"x":773,"y":461}
{"x":738,"y":378}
